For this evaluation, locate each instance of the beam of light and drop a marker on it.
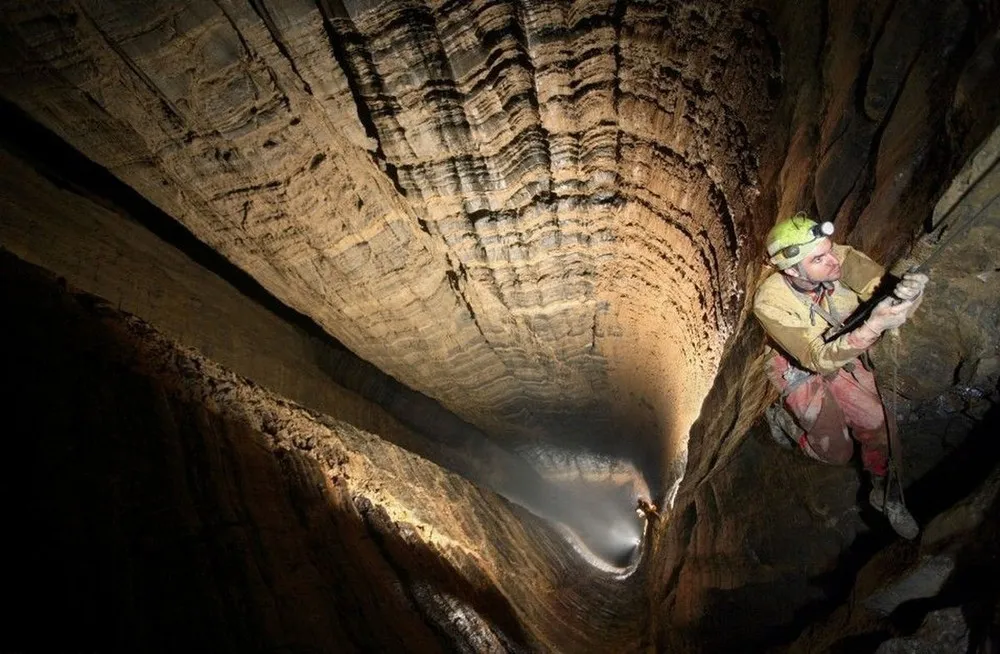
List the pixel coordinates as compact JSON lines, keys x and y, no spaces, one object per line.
{"x":591,"y":499}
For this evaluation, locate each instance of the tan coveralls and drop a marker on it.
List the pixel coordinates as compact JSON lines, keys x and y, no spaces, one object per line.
{"x":824,"y":385}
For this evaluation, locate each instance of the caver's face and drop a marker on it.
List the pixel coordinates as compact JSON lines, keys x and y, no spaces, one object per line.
{"x":820,"y":266}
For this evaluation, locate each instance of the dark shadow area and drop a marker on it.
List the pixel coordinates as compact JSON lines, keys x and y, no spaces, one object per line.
{"x":774,"y":592}
{"x":137,"y":520}
{"x":836,"y":587}
{"x":859,"y":644}
{"x":722,"y":408}
{"x":833,"y":588}
{"x":973,"y":585}
{"x":960,"y":472}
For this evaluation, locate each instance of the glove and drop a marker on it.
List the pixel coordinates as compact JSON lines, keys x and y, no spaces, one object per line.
{"x":889,"y":313}
{"x":910,"y":287}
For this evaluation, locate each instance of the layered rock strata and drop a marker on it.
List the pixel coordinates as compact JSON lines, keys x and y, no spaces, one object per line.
{"x":532,"y":212}
{"x":61,"y":213}
{"x":545,"y":214}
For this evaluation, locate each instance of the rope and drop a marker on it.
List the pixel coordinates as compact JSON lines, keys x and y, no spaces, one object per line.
{"x":948,"y":233}
{"x":946,"y":238}
{"x":895,"y":470}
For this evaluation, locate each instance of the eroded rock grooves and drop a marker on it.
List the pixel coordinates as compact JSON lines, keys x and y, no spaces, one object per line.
{"x":489,"y":184}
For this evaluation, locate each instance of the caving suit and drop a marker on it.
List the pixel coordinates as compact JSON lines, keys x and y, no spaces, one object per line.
{"x":825,"y":386}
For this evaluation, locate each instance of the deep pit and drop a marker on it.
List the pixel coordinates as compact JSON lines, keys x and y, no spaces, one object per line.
{"x":431,"y":255}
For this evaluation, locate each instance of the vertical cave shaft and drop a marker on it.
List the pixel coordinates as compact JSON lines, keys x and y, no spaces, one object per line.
{"x":531,"y":212}
{"x":513,"y":237}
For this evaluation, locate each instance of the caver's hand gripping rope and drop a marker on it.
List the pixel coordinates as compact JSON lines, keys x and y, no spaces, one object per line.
{"x":888,"y":284}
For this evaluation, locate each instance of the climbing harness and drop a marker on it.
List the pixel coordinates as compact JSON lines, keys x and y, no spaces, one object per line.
{"x":894,"y":473}
{"x":795,"y":376}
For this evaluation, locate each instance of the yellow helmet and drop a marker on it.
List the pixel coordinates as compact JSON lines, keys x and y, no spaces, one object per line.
{"x":792,"y":239}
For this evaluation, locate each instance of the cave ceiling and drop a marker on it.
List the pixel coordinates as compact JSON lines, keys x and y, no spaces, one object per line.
{"x":534,"y":212}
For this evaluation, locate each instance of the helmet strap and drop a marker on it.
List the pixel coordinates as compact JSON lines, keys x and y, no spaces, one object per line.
{"x":799,"y":279}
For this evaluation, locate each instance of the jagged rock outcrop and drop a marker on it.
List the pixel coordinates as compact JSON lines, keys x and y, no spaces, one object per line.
{"x":935,"y":596}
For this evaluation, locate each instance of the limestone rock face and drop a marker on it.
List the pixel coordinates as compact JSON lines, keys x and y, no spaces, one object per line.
{"x":53,"y":218}
{"x":532,"y":212}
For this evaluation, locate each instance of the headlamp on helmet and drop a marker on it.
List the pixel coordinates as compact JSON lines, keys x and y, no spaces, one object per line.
{"x":792,"y":239}
{"x":818,"y":231}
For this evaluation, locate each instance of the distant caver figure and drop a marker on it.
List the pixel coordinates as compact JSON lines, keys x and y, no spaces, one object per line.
{"x":646,"y":509}
{"x":828,"y":388}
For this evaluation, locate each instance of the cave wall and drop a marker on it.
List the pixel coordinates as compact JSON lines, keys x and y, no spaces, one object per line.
{"x":97,"y":248}
{"x":551,"y":197}
{"x":548,"y":216}
{"x":875,"y":157}
{"x":885,"y":101}
{"x":947,"y":128}
{"x":67,"y":215}
{"x":939,"y":596}
{"x":160,"y":502}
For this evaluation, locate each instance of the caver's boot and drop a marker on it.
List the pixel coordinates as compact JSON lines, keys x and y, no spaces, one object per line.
{"x":889,"y":502}
{"x":784,"y":431}
{"x":877,"y":495}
